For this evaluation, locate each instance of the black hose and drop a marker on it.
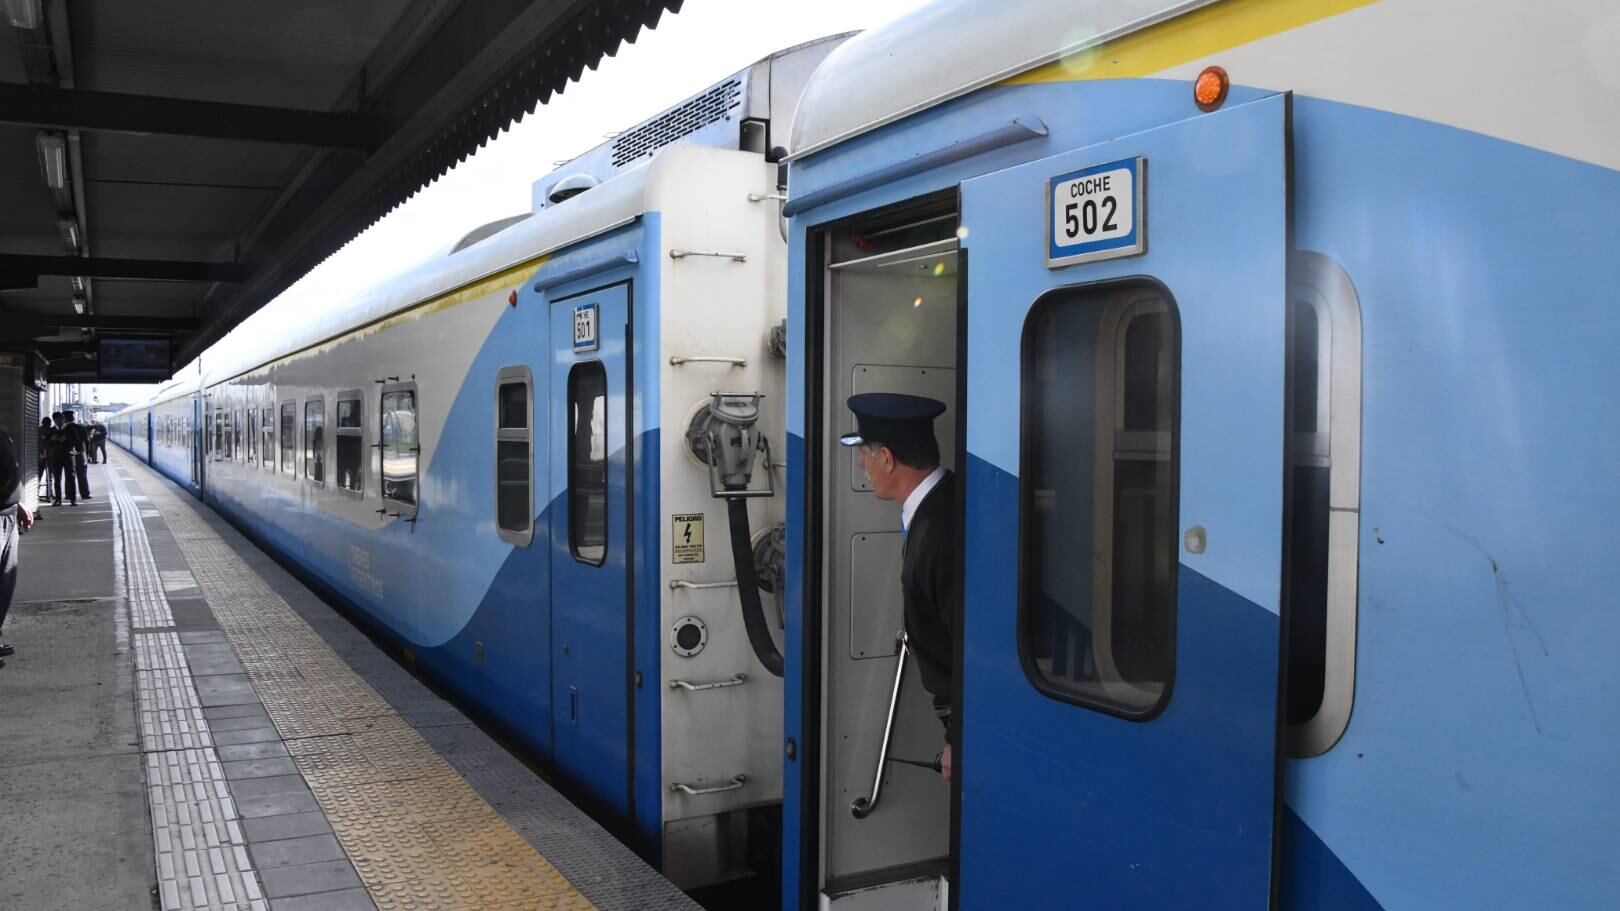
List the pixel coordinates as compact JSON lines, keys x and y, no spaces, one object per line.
{"x":753,"y":612}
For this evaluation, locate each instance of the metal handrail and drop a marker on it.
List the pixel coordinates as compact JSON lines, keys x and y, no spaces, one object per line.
{"x":862,"y":807}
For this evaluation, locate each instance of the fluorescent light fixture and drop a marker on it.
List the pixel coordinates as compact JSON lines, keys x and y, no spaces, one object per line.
{"x":79,"y":304}
{"x":53,"y":158}
{"x":78,"y":284}
{"x":24,"y":13}
{"x":70,"y":232}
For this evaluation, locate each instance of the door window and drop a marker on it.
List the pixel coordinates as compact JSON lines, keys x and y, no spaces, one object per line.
{"x":267,"y":448}
{"x":587,"y":462}
{"x":289,"y":437}
{"x":1100,"y":368}
{"x":400,"y":446}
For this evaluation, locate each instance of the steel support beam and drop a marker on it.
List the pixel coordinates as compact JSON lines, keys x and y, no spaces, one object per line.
{"x":71,"y":109}
{"x":152,"y":270}
{"x":32,"y":325}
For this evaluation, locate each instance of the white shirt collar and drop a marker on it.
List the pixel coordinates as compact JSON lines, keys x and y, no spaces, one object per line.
{"x":913,"y":501}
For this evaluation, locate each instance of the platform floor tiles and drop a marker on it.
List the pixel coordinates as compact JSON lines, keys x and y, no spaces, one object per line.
{"x":291,"y":766}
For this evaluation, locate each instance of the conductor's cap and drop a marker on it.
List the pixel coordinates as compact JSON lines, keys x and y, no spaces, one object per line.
{"x":891,"y":417}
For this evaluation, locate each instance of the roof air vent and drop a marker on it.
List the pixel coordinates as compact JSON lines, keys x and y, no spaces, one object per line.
{"x":569,"y":187}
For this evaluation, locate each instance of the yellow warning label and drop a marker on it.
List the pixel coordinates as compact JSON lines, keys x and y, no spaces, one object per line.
{"x":686,"y":544}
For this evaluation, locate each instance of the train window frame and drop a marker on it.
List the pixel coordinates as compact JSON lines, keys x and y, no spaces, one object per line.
{"x":1316,"y":280}
{"x":287,"y":418}
{"x":1116,"y":302}
{"x":406,"y":509}
{"x":236,"y":435}
{"x":514,"y":376}
{"x":267,"y":437}
{"x":574,"y":545}
{"x":339,"y":433}
{"x":310,"y":455}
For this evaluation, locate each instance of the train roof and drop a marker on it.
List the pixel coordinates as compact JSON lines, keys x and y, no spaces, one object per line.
{"x":309,"y":314}
{"x":950,"y":48}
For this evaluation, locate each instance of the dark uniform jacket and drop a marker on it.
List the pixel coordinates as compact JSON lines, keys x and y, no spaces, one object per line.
{"x":928,"y":584}
{"x":10,"y":476}
{"x":62,"y":444}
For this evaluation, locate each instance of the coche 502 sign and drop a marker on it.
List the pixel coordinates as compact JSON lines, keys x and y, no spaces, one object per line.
{"x":1097,"y":213}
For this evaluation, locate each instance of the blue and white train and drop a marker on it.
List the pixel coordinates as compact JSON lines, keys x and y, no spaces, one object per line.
{"x":1278,"y":356}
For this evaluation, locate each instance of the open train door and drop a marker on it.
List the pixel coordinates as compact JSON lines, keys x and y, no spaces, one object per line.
{"x":1123,"y":524}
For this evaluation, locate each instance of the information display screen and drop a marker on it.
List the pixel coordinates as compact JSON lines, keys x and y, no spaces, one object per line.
{"x":134,"y":359}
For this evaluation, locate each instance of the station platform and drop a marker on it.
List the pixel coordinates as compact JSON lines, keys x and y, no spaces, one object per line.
{"x":184,"y":725}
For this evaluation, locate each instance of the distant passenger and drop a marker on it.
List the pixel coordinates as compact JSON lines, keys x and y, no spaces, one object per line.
{"x":900,"y":456}
{"x":98,"y":443}
{"x":81,"y":440}
{"x":42,"y":452}
{"x":13,"y":516}
{"x":60,"y":453}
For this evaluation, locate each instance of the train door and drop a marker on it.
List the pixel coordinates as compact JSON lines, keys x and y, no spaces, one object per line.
{"x":590,"y":567}
{"x":887,"y":317}
{"x":194,"y":442}
{"x":1124,"y":520}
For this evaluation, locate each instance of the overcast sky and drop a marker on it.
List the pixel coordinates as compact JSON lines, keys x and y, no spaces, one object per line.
{"x":706,"y":41}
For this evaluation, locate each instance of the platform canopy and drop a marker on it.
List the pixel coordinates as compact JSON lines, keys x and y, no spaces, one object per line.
{"x":169,"y":166}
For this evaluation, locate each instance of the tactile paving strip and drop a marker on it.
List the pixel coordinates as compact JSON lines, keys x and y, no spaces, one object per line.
{"x":418,"y":834}
{"x":148,"y":607}
{"x":202,"y":859}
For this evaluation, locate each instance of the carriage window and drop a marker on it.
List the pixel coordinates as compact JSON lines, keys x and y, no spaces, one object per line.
{"x":1324,"y":501}
{"x":350,"y":445}
{"x":267,"y":430}
{"x":587,"y":462}
{"x":315,"y":440}
{"x":400,"y":446}
{"x":1099,"y":511}
{"x":289,"y":437}
{"x":514,"y":465}
{"x":253,"y":437}
{"x":236,"y":435}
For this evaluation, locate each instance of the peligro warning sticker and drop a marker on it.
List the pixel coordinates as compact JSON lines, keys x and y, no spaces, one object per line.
{"x":686,"y":542}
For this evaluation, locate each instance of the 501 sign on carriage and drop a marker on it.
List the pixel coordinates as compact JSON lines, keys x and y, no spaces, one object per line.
{"x":1096,"y":213}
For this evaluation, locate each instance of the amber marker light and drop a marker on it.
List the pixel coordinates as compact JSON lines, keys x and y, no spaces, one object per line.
{"x":1209,"y":90}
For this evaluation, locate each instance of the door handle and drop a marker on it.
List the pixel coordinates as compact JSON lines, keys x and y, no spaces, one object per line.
{"x":691,"y":687}
{"x":862,"y":807}
{"x":573,"y":705}
{"x":736,"y":782}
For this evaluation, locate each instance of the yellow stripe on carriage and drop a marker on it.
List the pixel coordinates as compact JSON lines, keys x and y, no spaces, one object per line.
{"x":1198,"y":34}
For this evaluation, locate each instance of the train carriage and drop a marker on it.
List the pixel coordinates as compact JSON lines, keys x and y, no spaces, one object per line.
{"x":542,"y":467}
{"x":1278,"y":383}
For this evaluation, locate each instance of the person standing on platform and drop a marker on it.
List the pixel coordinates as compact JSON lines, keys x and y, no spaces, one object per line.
{"x":61,"y":459}
{"x":42,"y":449}
{"x":900,"y":455}
{"x":14,"y":516}
{"x":81,"y":439}
{"x":98,"y":442}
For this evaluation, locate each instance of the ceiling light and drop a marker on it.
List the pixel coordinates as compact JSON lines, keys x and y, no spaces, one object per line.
{"x":79,"y":304}
{"x":53,"y":158}
{"x":78,"y":284}
{"x":70,"y":232}
{"x":24,"y":13}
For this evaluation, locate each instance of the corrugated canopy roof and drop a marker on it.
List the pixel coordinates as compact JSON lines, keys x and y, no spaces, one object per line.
{"x":169,"y":166}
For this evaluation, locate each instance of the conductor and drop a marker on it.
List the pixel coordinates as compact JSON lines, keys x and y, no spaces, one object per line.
{"x":900,"y":456}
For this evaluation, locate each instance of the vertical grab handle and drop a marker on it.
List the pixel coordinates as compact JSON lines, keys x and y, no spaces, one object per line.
{"x":862,"y":807}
